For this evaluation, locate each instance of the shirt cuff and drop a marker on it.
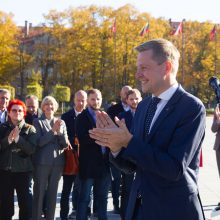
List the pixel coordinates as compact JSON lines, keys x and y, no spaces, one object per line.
{"x":115,"y":154}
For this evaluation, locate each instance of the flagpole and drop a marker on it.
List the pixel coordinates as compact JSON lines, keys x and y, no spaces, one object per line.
{"x":183,"y":45}
{"x":215,"y":53}
{"x":148,"y":33}
{"x":115,"y":70}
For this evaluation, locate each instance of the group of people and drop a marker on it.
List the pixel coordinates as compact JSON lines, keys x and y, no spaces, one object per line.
{"x":33,"y":141}
{"x":146,"y":150}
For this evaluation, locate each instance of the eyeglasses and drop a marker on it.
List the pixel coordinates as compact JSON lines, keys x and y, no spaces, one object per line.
{"x":16,"y":110}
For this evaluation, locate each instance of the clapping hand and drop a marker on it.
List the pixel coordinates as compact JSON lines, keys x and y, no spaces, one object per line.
{"x":217,"y":114}
{"x":57,"y":126}
{"x":14,"y":134}
{"x":108,"y":134}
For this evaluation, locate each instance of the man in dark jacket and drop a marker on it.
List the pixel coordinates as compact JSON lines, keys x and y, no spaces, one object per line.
{"x":33,"y":110}
{"x":133,"y":98}
{"x":113,"y":111}
{"x":93,"y":161}
{"x":69,"y":181}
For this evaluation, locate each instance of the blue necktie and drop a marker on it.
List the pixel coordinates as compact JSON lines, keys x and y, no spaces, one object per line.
{"x":150,"y":113}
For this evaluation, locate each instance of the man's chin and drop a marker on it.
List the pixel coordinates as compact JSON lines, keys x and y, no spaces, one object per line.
{"x":94,"y":108}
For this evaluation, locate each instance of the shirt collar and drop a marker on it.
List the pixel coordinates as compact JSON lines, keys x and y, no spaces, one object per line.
{"x":125,"y":107}
{"x":166,"y":95}
{"x":76,"y":113}
{"x":92,"y":112}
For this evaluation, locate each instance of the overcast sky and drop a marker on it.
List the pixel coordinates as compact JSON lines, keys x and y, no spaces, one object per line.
{"x":33,"y":10}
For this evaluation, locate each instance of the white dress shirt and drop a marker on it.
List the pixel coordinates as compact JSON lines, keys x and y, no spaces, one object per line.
{"x":165,"y":97}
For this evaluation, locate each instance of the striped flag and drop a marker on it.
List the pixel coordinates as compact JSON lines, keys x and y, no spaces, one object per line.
{"x":178,"y":30}
{"x":213,"y":33}
{"x":114,"y":27}
{"x":145,"y":29}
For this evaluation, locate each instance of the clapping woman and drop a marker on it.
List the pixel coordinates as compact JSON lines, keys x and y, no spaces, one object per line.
{"x":17,"y":144}
{"x":49,"y":158}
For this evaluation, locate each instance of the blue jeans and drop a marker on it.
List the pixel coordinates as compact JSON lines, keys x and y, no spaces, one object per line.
{"x":100,"y":189}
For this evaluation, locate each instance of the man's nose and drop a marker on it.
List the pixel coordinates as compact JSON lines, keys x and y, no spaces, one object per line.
{"x":138,"y":74}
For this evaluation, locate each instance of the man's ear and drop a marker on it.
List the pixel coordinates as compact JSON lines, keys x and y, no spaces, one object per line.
{"x":168,"y":67}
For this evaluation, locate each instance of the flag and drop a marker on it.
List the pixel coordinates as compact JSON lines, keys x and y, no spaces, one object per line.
{"x":178,"y":30}
{"x":213,"y":33}
{"x":145,"y":29}
{"x":114,"y":27}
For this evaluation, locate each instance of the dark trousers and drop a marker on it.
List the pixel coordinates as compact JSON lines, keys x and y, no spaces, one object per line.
{"x":10,"y":182}
{"x":115,"y":185}
{"x":138,"y":210}
{"x":69,"y":182}
{"x":127,"y":181}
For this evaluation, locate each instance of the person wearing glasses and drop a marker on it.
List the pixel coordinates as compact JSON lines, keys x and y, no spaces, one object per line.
{"x":17,"y":144}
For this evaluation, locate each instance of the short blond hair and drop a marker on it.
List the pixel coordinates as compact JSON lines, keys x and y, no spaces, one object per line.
{"x":163,"y":50}
{"x":50,"y":99}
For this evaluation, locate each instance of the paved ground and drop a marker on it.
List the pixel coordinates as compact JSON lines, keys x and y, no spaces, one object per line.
{"x":209,"y":183}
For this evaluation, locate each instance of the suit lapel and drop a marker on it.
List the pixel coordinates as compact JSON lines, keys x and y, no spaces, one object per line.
{"x":46,"y":123}
{"x":141,"y":120}
{"x":168,"y":108}
{"x":91,"y":118}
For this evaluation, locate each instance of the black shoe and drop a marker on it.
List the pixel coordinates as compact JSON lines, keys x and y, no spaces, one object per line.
{"x":217,"y":208}
{"x":116,"y":210}
{"x":89,"y":211}
{"x":72,"y":215}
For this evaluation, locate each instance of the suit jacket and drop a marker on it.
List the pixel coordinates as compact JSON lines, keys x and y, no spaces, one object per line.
{"x":49,"y":146}
{"x":167,"y":160}
{"x":6,"y":117}
{"x":70,"y":121}
{"x":115,"y":110}
{"x":92,"y":162}
{"x":29,"y":118}
{"x":128,"y":117}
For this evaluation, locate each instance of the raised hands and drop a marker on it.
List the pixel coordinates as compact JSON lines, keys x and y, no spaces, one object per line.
{"x":108,"y":134}
{"x":14,"y":135}
{"x":217,"y":114}
{"x":57,"y":127}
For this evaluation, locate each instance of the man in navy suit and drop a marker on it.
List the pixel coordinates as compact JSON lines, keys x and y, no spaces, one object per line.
{"x":71,"y":181}
{"x":164,"y":145}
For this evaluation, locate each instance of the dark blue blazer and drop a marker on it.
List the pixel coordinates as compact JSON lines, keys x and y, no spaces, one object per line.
{"x":115,"y":110}
{"x":92,"y":162}
{"x":167,"y":160}
{"x":70,"y":121}
{"x":128,"y":117}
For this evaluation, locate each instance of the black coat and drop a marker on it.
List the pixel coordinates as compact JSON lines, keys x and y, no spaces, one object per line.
{"x":92,"y":163}
{"x":70,"y":121}
{"x":29,"y":118}
{"x":115,"y":110}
